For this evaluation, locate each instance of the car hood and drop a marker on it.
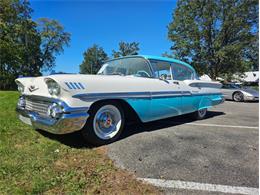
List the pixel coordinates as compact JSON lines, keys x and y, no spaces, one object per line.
{"x":251,"y":91}
{"x":81,"y":83}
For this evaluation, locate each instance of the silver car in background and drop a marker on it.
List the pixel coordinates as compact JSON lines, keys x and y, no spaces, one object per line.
{"x":236,"y":92}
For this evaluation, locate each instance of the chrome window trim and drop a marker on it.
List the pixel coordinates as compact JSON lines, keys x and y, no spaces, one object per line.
{"x":170,"y":63}
{"x":192,"y":71}
{"x":145,"y":59}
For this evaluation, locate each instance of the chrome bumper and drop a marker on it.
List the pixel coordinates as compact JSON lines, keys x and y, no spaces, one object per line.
{"x":71,"y":119}
{"x":251,"y":98}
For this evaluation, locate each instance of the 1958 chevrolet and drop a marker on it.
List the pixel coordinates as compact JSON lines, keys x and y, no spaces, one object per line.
{"x":147,"y":87}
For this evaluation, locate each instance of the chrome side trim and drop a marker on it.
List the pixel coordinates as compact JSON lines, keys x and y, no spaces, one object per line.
{"x":138,"y":95}
{"x":68,"y":85}
{"x":81,"y":86}
{"x":94,"y":96}
{"x":199,"y":94}
{"x":74,"y":85}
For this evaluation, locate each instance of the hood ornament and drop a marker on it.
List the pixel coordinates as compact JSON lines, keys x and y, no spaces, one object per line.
{"x":32,"y":88}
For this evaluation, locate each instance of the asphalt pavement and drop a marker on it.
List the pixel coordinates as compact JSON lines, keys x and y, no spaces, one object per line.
{"x":221,"y":150}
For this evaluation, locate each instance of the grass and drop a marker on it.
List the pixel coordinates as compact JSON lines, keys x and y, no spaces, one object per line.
{"x":35,"y":162}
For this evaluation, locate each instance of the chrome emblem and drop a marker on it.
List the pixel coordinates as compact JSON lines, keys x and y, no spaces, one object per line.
{"x":33,"y":88}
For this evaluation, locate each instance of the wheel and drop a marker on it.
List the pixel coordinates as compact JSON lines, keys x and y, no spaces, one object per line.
{"x":105,"y":123}
{"x":238,"y":97}
{"x":200,"y":114}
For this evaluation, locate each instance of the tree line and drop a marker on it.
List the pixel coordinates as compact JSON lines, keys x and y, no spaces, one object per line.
{"x":95,"y":56}
{"x":217,"y":37}
{"x":27,"y":47}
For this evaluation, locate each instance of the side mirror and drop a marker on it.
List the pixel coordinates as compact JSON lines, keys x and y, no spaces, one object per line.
{"x":163,"y":77}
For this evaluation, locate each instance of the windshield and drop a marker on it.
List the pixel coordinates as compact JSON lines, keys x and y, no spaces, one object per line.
{"x":135,"y":66}
{"x":235,"y":86}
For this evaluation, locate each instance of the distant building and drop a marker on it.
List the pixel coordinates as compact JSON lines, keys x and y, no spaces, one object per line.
{"x":247,"y":77}
{"x":205,"y":77}
{"x":251,"y":77}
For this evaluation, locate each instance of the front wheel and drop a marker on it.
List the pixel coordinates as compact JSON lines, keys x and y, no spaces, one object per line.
{"x":238,"y":97}
{"x":105,"y":123}
{"x":200,"y":114}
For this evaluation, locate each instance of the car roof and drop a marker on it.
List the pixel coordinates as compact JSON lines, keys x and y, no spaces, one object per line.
{"x":151,"y":57}
{"x":167,"y":59}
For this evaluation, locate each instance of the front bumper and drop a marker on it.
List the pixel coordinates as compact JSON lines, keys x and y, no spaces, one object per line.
{"x":251,"y":98}
{"x":71,"y":119}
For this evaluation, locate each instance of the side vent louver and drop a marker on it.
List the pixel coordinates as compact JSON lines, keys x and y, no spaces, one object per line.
{"x":74,"y":85}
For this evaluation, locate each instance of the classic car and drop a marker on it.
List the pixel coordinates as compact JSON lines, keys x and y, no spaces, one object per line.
{"x":236,"y":92}
{"x":144,"y":87}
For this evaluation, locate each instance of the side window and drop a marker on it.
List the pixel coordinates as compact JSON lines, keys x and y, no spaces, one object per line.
{"x":225,"y":86}
{"x":181,"y":72}
{"x":161,"y":68}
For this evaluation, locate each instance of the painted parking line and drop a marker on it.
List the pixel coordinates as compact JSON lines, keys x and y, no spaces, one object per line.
{"x":216,"y":125}
{"x":176,"y":184}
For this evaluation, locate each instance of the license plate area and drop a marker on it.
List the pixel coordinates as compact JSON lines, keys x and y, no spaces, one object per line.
{"x":26,"y":120}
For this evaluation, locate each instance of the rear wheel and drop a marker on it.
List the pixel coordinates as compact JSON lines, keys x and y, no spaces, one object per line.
{"x":200,"y":114}
{"x":238,"y":97}
{"x":105,"y":123}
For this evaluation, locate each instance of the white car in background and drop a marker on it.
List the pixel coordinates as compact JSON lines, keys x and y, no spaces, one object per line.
{"x":237,"y":93}
{"x":147,"y":87}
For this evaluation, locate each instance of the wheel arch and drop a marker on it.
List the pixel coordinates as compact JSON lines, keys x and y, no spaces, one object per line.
{"x":237,"y":91}
{"x":130,"y":114}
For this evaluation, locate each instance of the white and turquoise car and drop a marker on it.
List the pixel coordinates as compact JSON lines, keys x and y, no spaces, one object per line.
{"x":146,"y":87}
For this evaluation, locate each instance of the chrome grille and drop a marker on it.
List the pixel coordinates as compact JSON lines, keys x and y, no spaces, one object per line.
{"x":38,"y":106}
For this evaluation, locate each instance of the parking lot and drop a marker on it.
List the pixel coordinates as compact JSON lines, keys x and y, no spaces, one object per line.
{"x":213,"y":156}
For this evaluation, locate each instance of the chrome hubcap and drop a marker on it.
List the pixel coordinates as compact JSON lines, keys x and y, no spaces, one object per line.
{"x":238,"y":97}
{"x":107,"y":122}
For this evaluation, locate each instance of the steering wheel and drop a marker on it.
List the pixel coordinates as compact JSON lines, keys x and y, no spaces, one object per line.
{"x":142,"y":73}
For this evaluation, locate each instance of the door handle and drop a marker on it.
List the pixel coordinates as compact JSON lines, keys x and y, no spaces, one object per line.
{"x":176,"y":82}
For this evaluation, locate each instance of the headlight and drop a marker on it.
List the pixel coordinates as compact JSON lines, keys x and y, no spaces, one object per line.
{"x":53,"y":87}
{"x":21,"y":102}
{"x":55,"y":110}
{"x":248,"y":94}
{"x":20,"y":87}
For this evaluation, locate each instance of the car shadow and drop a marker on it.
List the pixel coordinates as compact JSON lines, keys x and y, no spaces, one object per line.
{"x":76,"y":140}
{"x":136,"y":128}
{"x":232,"y":101}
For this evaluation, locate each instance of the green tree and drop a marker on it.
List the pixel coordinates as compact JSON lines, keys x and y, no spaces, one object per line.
{"x":94,"y":57}
{"x":216,"y":36}
{"x":53,"y":39}
{"x":126,"y":49}
{"x":19,"y":42}
{"x":26,"y":48}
